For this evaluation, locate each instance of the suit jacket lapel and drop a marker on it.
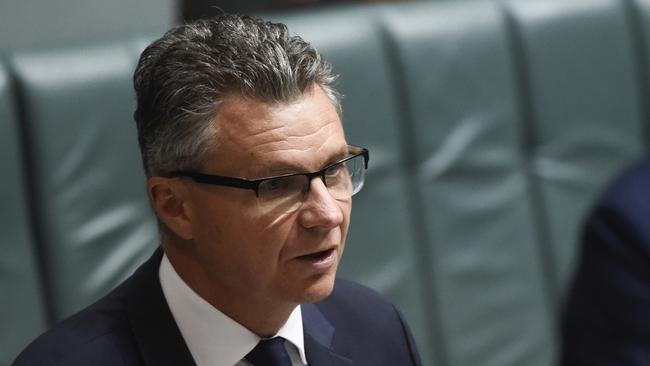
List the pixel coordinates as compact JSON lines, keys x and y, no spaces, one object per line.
{"x":159,"y":340}
{"x":319,"y":337}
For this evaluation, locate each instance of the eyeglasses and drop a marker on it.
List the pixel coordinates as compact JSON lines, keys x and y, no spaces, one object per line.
{"x":343,"y":179}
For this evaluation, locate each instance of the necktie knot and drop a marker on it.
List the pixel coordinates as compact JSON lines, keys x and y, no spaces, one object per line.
{"x":269,"y":352}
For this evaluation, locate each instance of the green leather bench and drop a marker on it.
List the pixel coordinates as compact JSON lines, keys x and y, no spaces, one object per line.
{"x":22,"y":302}
{"x":492,"y":128}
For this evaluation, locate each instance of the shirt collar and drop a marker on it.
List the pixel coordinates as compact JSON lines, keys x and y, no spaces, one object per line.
{"x":211,"y":336}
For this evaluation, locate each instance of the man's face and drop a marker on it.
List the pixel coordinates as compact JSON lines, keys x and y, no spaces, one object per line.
{"x":286,"y":254}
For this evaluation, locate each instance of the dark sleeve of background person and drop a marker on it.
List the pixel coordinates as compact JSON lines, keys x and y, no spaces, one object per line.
{"x":607,"y":314}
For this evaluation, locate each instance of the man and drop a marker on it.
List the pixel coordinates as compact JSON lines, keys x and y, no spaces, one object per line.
{"x":607,"y":318}
{"x":251,"y":178}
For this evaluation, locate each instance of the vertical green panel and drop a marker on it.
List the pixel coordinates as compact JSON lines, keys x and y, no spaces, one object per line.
{"x":95,"y":222}
{"x":22,"y":310}
{"x":381,"y":249}
{"x":640,"y":15}
{"x":488,"y":278}
{"x":586,"y":117}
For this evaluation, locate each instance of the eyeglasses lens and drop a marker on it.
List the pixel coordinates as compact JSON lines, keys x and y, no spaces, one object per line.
{"x":342,"y":180}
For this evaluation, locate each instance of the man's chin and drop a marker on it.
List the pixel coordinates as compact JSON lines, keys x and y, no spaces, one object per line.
{"x":319,"y":289}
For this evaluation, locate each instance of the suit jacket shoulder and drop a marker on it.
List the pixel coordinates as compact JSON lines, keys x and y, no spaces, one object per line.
{"x":100,"y":334}
{"x":366,"y":328}
{"x":132,"y":325}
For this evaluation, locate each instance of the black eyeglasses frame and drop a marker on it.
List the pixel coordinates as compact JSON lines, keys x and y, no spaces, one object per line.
{"x":254,"y":184}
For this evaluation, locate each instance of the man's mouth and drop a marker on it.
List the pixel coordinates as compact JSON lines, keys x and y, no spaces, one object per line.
{"x":321,"y":259}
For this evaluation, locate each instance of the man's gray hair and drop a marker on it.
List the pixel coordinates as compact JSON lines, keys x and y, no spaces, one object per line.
{"x":182,"y":77}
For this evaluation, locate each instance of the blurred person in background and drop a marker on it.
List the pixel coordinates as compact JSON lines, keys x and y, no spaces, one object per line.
{"x":607,"y":317}
{"x":251,"y":178}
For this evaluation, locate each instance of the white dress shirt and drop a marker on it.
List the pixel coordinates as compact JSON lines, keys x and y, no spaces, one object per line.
{"x":212,"y":337}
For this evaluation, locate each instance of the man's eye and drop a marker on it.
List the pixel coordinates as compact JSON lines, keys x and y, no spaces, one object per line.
{"x":276,"y":184}
{"x":334,"y":170}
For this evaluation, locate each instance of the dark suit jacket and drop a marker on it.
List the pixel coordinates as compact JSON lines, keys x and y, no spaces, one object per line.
{"x":607,"y":319}
{"x":133,"y":326}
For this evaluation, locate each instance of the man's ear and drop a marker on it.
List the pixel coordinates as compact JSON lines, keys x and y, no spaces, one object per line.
{"x":168,"y":197}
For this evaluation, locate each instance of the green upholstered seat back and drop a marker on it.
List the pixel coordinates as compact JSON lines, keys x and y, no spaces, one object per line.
{"x":93,"y":220}
{"x":22,"y":305}
{"x":465,"y":128}
{"x":583,"y":108}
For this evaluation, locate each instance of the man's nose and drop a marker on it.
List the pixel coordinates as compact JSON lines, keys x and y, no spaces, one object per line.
{"x":320,"y":209}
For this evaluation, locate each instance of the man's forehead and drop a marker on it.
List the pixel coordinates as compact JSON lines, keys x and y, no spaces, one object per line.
{"x":278,"y":138}
{"x":239,"y":116}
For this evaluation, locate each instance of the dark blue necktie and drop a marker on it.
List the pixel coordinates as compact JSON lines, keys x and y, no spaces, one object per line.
{"x":269,"y":352}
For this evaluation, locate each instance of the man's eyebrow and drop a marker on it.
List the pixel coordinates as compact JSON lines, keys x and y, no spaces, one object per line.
{"x":340,"y":155}
{"x":288,"y":168}
{"x":280,"y":169}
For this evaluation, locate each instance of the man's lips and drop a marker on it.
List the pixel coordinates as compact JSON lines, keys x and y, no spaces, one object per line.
{"x":320,"y":260}
{"x":318,"y":254}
